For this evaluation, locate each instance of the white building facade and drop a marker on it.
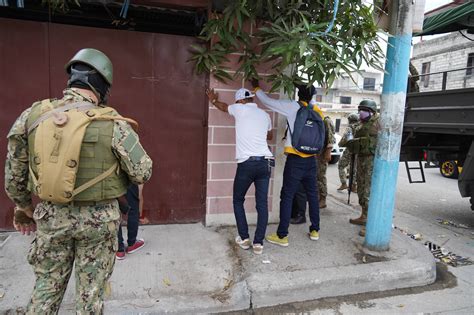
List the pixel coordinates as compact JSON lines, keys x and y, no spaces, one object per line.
{"x":450,"y":52}
{"x":345,"y":94}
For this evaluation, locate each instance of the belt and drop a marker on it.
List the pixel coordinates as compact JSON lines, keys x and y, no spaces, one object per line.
{"x":90,"y":203}
{"x":257,"y":158}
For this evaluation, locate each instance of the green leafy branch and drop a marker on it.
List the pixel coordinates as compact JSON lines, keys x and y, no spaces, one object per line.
{"x":289,"y":35}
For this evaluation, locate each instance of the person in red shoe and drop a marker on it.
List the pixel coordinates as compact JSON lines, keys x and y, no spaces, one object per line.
{"x":133,"y":206}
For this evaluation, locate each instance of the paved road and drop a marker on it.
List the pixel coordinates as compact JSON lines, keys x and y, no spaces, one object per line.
{"x":418,"y":207}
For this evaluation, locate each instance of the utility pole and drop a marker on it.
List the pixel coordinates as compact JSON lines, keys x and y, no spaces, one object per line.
{"x":387,"y":156}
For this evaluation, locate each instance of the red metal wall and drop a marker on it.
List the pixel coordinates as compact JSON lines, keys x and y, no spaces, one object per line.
{"x":153,"y":83}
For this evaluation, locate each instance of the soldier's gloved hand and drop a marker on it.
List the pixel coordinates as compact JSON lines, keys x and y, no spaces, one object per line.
{"x":350,"y":146}
{"x":23,"y":220}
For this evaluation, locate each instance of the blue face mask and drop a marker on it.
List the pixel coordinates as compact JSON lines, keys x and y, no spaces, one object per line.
{"x":364,"y":115}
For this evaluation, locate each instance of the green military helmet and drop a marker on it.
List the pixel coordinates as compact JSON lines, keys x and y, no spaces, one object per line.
{"x":368,"y":104}
{"x":95,"y":59}
{"x":352,"y":118}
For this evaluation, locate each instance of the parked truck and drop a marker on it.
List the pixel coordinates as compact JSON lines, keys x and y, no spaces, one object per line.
{"x":439,"y":125}
{"x":439,"y":129}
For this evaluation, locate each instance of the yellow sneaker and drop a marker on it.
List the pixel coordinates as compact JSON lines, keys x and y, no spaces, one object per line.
{"x":314,"y":235}
{"x":275,"y":239}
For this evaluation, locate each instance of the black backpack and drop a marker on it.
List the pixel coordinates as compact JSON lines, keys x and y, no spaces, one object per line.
{"x":309,"y":132}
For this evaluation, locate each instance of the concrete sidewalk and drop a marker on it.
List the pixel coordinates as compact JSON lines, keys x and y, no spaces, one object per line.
{"x":193,"y":269}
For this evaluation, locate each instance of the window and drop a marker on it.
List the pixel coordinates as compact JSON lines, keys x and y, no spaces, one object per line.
{"x":319,"y":98}
{"x":369,"y":84}
{"x":425,"y":68}
{"x":345,"y":99}
{"x":470,"y":63}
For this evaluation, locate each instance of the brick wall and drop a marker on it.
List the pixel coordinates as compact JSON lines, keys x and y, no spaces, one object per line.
{"x":221,"y":163}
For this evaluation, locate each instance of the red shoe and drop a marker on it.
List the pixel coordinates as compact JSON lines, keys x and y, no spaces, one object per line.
{"x":120,"y":255}
{"x":138,"y":244}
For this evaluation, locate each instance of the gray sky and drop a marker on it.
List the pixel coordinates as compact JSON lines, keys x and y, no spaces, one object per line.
{"x":433,"y":4}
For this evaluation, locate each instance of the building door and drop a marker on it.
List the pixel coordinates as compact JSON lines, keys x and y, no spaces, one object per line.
{"x":153,"y":84}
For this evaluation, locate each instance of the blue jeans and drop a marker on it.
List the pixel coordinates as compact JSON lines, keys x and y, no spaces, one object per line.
{"x":132,"y":229}
{"x":298,"y":171}
{"x":248,"y":172}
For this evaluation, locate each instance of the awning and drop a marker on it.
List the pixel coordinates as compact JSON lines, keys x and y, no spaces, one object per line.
{"x":455,"y":19}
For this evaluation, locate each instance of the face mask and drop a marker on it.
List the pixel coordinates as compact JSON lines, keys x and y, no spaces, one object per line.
{"x":364,"y":115}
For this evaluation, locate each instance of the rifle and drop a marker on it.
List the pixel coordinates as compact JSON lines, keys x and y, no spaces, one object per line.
{"x":351,"y":177}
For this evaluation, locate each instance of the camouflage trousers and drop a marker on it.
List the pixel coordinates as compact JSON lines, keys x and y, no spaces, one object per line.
{"x":85,"y":237}
{"x":322,"y":181}
{"x":344,"y":166}
{"x":365,"y":166}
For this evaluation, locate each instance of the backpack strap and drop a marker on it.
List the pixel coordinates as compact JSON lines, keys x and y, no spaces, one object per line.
{"x":286,"y":131}
{"x":82,"y":106}
{"x":288,"y":124}
{"x":132,"y":122}
{"x":95,"y":180}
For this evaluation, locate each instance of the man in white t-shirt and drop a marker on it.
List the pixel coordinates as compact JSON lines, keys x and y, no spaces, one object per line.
{"x":252,"y":129}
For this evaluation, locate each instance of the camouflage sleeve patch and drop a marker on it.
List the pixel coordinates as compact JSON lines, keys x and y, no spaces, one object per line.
{"x":16,"y":165}
{"x":19,"y":127}
{"x":133,"y":159}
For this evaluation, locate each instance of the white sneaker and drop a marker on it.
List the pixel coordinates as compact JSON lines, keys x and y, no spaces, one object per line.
{"x":244,"y":244}
{"x":257,"y":249}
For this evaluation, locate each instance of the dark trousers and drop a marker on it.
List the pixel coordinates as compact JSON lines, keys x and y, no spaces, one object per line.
{"x":299,"y":203}
{"x":132,"y":229}
{"x":248,"y":172}
{"x":298,"y":171}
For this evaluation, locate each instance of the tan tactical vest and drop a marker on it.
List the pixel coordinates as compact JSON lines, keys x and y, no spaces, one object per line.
{"x":70,"y":152}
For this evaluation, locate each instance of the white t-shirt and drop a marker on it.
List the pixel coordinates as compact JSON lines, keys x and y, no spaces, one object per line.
{"x":251,"y":127}
{"x":287,"y":108}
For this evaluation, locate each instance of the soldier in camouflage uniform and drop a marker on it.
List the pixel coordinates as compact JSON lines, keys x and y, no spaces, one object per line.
{"x":364,"y":144}
{"x":323,"y":160}
{"x":345,"y":161}
{"x":83,"y":232}
{"x":413,"y":78}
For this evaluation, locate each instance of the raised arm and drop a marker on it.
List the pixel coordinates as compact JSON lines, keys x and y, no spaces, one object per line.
{"x":283,"y":107}
{"x":213,"y":97}
{"x":280,"y":106}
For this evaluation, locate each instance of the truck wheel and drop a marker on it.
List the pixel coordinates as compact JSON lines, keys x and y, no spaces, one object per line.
{"x":449,"y":169}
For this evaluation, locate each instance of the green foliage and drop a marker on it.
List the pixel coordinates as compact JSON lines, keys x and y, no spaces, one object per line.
{"x":60,"y":5}
{"x":288,"y":35}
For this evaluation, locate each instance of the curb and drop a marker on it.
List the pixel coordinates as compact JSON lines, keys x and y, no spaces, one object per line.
{"x":415,"y":268}
{"x":238,"y":298}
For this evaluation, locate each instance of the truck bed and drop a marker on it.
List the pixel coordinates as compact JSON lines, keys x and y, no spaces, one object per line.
{"x":440,"y":112}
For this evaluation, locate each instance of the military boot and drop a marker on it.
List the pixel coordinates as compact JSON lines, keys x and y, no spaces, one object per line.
{"x":322,"y":202}
{"x":354,"y":188}
{"x":360,"y":220}
{"x":343,"y":187}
